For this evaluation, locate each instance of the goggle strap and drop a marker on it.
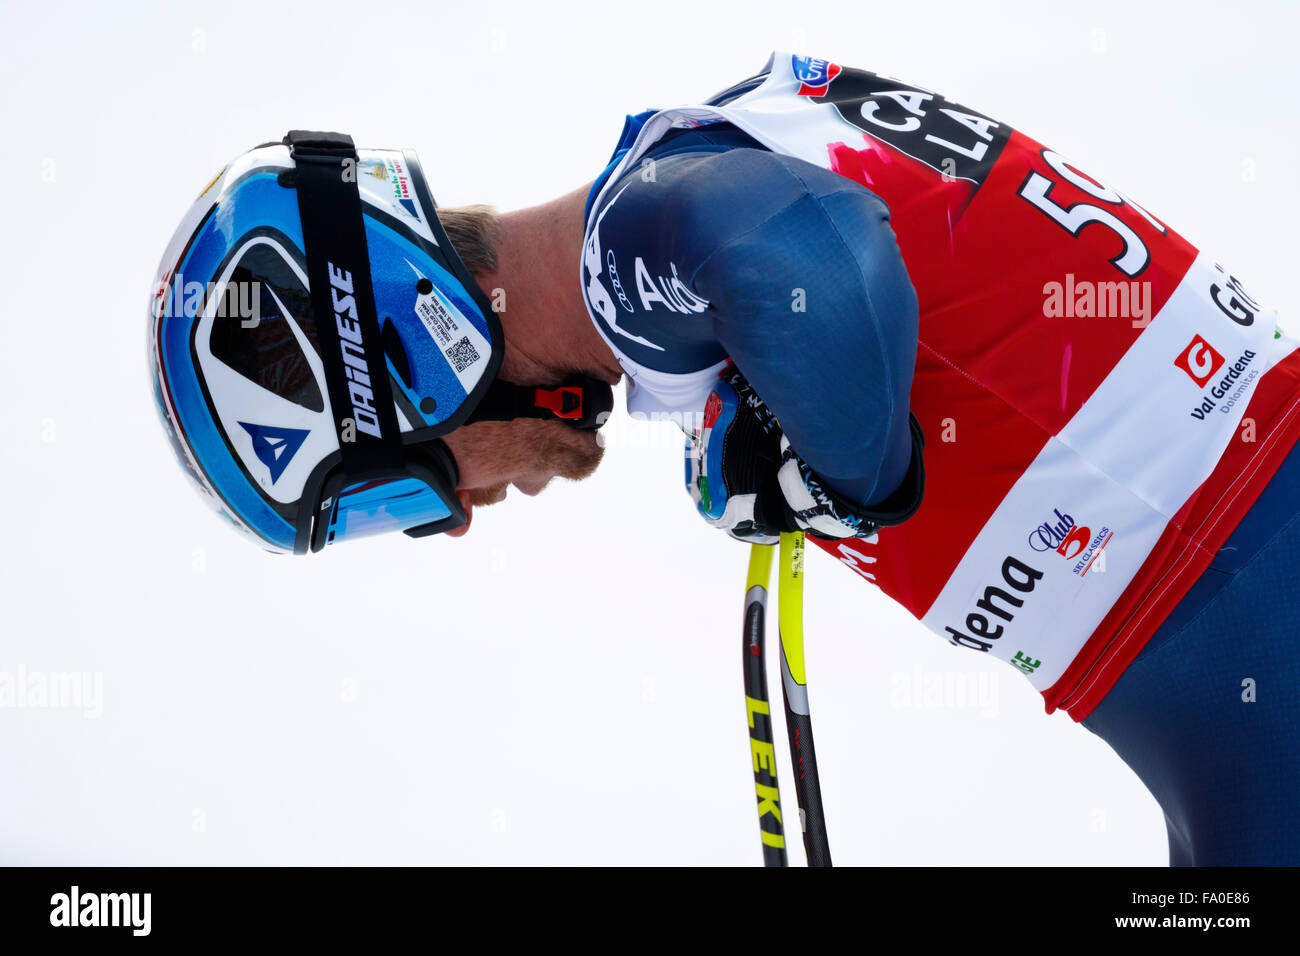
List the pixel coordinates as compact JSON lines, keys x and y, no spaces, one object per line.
{"x":343,"y":302}
{"x":578,"y":401}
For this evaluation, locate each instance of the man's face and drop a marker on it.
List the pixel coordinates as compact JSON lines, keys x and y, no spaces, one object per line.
{"x":526,"y":453}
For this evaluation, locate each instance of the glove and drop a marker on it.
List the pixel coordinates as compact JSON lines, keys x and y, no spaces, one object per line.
{"x":746,"y":479}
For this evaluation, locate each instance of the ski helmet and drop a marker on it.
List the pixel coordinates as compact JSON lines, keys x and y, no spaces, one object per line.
{"x":313,"y":334}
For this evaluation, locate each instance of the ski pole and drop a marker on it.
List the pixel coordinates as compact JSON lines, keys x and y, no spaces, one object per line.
{"x":794,"y":686}
{"x":757,"y":708}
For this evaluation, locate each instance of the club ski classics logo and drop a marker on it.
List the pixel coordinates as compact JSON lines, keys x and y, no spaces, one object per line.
{"x":1075,"y":542}
{"x":75,"y":908}
{"x":1220,"y":390}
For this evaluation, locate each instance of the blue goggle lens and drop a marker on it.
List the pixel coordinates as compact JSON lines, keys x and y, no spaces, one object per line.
{"x":382,"y":505}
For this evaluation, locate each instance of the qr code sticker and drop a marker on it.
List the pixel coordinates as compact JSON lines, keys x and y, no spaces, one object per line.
{"x":462,"y":355}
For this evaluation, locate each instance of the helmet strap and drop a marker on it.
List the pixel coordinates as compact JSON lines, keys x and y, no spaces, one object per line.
{"x":579,"y":401}
{"x":338,"y":273}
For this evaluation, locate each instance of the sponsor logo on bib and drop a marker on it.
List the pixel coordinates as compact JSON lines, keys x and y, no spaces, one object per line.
{"x":1200,"y":361}
{"x":814,"y":75}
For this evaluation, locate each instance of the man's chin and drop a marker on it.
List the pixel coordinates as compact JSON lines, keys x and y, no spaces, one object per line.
{"x":482,"y":497}
{"x":581,"y":458}
{"x":563,"y":454}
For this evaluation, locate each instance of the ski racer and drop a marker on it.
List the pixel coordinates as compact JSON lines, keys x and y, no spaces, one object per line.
{"x":983,"y":379}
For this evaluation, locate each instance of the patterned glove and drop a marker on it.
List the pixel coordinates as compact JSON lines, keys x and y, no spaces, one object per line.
{"x":746,"y":479}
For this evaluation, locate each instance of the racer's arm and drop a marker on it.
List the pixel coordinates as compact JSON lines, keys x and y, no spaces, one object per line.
{"x":806,"y":291}
{"x":812,"y":302}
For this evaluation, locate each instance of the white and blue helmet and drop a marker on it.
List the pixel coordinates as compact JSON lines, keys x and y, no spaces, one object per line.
{"x":313,"y":334}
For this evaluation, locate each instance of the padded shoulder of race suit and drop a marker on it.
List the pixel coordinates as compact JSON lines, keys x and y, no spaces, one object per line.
{"x":727,"y":249}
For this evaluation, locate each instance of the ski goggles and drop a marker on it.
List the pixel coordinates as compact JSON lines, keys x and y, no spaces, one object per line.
{"x":384,"y":478}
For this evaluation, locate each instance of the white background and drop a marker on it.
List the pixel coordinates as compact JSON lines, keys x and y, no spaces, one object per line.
{"x":563,"y":685}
